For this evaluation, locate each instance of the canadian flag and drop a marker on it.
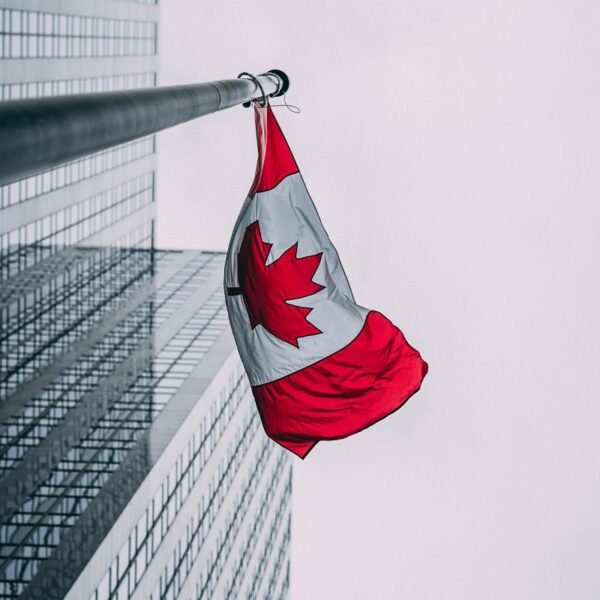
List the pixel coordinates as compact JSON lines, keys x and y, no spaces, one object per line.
{"x":321,"y":367}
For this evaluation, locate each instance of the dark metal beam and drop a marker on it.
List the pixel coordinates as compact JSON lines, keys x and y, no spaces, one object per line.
{"x":41,"y":133}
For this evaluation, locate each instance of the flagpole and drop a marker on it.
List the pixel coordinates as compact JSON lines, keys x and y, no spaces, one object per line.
{"x":37,"y":134}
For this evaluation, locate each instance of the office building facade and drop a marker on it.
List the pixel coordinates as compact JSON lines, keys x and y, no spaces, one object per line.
{"x":132,"y":460}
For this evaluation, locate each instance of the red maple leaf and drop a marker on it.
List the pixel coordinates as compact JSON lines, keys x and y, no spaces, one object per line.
{"x":266,"y":289}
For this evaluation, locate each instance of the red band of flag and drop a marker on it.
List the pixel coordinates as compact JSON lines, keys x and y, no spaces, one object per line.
{"x":344,"y":393}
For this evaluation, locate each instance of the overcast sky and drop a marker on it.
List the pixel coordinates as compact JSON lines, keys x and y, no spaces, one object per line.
{"x":452,"y":149}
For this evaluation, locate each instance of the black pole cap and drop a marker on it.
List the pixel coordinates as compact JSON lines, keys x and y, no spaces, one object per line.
{"x":285,"y":81}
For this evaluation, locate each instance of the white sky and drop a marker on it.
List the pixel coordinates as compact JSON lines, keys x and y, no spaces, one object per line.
{"x":452,"y":149}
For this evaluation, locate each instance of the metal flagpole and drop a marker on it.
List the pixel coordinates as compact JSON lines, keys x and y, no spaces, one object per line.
{"x":40,"y":133}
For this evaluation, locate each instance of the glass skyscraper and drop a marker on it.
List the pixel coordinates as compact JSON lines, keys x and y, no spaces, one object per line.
{"x":132,"y":460}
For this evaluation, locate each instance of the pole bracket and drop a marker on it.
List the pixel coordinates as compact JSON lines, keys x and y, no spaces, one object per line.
{"x":283,"y":84}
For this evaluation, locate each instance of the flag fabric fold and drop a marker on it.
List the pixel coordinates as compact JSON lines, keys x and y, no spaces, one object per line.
{"x":321,"y":367}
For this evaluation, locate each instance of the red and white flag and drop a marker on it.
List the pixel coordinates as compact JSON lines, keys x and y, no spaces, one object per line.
{"x":321,"y":367}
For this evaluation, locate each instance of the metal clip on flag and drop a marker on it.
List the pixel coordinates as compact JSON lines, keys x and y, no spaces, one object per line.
{"x":276,"y":75}
{"x":321,"y":367}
